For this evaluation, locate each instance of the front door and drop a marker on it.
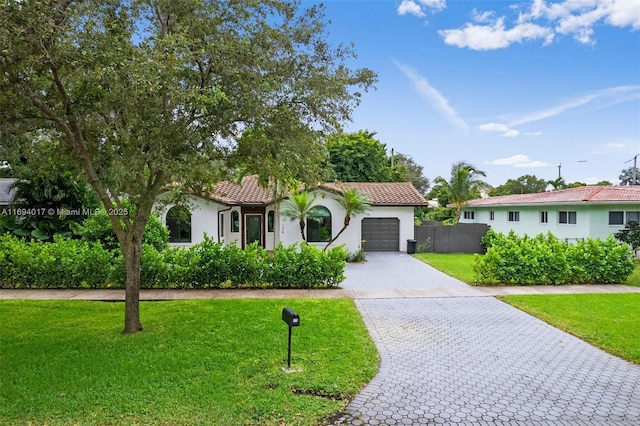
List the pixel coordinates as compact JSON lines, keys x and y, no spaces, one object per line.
{"x":252,"y":228}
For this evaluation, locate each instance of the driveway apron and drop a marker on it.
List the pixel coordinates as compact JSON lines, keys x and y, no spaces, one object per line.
{"x":479,"y":361}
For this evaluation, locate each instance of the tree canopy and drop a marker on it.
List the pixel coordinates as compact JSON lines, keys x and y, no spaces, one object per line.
{"x":527,"y":184}
{"x":405,"y":169}
{"x":150,"y":94}
{"x":630,"y":235}
{"x":358,"y":157}
{"x":630,"y":176}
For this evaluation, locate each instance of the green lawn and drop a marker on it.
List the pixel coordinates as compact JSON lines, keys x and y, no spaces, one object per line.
{"x":609,"y":321}
{"x":460,"y":266}
{"x":197,"y":362}
{"x":457,"y":265}
{"x":634,"y":278}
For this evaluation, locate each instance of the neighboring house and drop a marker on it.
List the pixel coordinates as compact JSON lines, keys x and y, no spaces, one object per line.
{"x":6,"y":192}
{"x":246,"y":213}
{"x":576,"y":213}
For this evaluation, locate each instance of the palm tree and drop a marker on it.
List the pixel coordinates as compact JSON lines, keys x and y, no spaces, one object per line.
{"x":353,"y":204}
{"x":558,"y":183}
{"x":297,"y":207}
{"x":464,"y":184}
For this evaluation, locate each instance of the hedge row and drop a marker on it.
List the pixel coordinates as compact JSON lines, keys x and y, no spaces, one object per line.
{"x":546,"y":260}
{"x":79,"y":264}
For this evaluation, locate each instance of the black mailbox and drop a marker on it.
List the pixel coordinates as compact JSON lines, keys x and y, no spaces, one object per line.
{"x":290,"y":317}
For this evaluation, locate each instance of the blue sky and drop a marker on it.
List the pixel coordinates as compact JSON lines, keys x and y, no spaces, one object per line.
{"x":513,"y":87}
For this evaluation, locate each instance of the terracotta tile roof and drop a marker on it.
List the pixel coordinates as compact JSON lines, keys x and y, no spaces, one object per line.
{"x":583,"y":194}
{"x":381,"y":194}
{"x":248,"y":192}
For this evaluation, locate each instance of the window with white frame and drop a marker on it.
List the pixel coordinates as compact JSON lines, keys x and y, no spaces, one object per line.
{"x":469,"y":215}
{"x":544,"y":216}
{"x":514,"y":216}
{"x":567,"y":218}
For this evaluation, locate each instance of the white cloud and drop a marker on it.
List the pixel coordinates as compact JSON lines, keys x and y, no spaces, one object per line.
{"x":432,"y":95}
{"x":576,"y":18}
{"x":493,"y":127}
{"x":615,"y":145}
{"x":505,"y":130}
{"x":434,"y":4}
{"x":602,"y":98}
{"x":511,"y":133}
{"x":419,"y":7}
{"x":482,"y":16}
{"x":494,"y":36}
{"x":519,"y":161}
{"x":596,"y":100}
{"x":409,"y":7}
{"x":624,"y":14}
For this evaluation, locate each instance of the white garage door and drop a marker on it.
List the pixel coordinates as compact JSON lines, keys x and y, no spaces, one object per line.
{"x":381,"y":234}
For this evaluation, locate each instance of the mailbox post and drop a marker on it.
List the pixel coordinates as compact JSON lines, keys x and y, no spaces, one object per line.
{"x":292,"y":320}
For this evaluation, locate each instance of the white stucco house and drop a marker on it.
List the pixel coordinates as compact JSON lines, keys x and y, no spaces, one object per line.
{"x":570,"y":214}
{"x":243,"y":213}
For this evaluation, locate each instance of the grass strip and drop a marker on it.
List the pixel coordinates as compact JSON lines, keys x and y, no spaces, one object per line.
{"x":608,"y":321}
{"x":456,"y":265}
{"x":197,"y":362}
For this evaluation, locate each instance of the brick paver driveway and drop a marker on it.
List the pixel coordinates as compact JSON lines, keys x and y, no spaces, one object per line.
{"x":479,"y":361}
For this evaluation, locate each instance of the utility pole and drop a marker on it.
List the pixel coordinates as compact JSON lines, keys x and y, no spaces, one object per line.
{"x":634,"y":180}
{"x":559,"y":171}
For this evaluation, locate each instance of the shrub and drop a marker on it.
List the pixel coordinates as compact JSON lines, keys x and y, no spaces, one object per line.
{"x":630,"y":234}
{"x":596,"y":261}
{"x":63,"y":263}
{"x":546,"y":260}
{"x":80,"y":264}
{"x":357,"y":256}
{"x":97,"y":228}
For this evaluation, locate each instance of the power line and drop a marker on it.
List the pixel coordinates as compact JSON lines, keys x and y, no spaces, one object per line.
{"x":635,"y":169}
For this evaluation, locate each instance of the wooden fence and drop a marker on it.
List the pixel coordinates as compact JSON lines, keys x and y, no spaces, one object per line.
{"x":434,"y":237}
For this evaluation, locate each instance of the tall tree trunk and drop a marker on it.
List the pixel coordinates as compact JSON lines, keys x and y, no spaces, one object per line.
{"x":132,"y":255}
{"x":345,"y":224}
{"x":334,"y":238}
{"x":131,"y":245}
{"x":302,"y":225}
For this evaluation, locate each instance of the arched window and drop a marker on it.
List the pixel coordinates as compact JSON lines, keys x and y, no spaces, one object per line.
{"x":235,"y":221}
{"x":179,"y":225}
{"x":319,"y":224}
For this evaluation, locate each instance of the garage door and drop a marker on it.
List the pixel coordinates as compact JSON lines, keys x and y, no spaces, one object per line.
{"x":381,"y":234}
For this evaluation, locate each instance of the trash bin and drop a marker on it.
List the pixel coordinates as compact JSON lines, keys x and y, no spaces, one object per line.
{"x":411,"y":246}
